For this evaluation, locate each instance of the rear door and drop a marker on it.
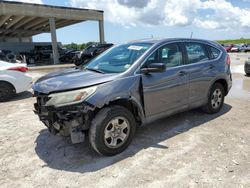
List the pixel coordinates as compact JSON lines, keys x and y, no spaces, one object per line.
{"x":200,"y":70}
{"x":167,"y":90}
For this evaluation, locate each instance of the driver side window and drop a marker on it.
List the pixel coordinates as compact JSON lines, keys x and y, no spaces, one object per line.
{"x":169,"y":54}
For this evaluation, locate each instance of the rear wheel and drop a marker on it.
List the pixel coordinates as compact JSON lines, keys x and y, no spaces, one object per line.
{"x":215,"y":99}
{"x":6,"y":91}
{"x":112,"y":130}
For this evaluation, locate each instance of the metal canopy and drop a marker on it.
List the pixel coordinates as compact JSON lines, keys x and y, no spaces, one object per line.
{"x":19,"y":20}
{"x":25,"y":20}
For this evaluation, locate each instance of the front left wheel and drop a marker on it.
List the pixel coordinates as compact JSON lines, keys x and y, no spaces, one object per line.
{"x":112,"y":130}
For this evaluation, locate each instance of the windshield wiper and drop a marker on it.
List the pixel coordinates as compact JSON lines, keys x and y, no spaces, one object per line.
{"x":94,"y":70}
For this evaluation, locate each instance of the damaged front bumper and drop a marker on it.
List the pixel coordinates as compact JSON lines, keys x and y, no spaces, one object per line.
{"x":72,"y":120}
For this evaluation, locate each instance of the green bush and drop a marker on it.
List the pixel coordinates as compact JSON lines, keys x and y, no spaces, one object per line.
{"x":235,"y":41}
{"x":77,"y":46}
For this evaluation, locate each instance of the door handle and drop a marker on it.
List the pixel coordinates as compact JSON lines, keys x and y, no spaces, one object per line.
{"x":182,"y":73}
{"x":211,"y":66}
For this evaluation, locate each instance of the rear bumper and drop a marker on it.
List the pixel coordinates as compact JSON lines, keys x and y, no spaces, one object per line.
{"x":26,"y":84}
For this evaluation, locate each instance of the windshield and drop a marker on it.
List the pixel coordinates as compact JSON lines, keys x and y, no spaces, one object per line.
{"x":119,"y":58}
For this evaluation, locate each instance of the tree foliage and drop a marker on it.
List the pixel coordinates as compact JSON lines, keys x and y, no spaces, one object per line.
{"x":235,"y":41}
{"x":78,"y":46}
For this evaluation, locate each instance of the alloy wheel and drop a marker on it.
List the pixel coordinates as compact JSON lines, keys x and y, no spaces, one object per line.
{"x":216,"y":99}
{"x":116,"y":132}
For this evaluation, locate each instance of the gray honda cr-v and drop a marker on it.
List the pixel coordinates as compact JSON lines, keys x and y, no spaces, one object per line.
{"x":130,"y":85}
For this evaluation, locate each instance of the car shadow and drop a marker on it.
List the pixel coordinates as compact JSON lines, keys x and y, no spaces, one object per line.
{"x":59,"y":153}
{"x":21,"y":96}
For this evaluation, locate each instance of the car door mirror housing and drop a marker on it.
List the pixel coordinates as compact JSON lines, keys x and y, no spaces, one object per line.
{"x":154,"y":67}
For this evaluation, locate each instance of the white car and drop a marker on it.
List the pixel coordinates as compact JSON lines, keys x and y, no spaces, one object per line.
{"x":13,"y":79}
{"x":236,"y":48}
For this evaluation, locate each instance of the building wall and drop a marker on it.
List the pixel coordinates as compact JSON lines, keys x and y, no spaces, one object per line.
{"x":11,"y":39}
{"x":22,"y":46}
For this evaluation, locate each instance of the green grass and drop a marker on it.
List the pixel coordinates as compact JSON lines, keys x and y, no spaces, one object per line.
{"x":84,"y":45}
{"x":235,"y":41}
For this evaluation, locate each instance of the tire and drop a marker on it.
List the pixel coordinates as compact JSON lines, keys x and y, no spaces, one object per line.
{"x":215,"y":99}
{"x":108,"y":134}
{"x":11,"y":57}
{"x":7,"y":91}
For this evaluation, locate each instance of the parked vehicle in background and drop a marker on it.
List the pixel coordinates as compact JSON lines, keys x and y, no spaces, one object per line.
{"x":69,"y":55}
{"x":247,"y":67}
{"x":40,"y":54}
{"x":130,"y":85}
{"x":228,"y":47}
{"x":29,"y":56}
{"x":246,"y":48}
{"x":13,"y":80}
{"x":236,"y":48}
{"x":7,"y":55}
{"x":91,"y":52}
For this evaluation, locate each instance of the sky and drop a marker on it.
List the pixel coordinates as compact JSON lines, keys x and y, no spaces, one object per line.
{"x":126,"y":20}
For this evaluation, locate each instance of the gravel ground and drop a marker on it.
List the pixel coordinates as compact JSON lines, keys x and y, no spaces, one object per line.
{"x":191,"y":149}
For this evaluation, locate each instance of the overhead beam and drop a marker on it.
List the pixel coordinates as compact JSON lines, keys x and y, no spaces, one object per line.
{"x":46,"y":26}
{"x":4,"y":18}
{"x":24,"y":9}
{"x":62,"y":21}
{"x":23,"y":22}
{"x":67,"y":24}
{"x":33,"y":33}
{"x":14,"y":21}
{"x":40,"y":24}
{"x":17,"y":35}
{"x":15,"y":32}
{"x":58,"y":26}
{"x":35,"y":23}
{"x":36,"y":29}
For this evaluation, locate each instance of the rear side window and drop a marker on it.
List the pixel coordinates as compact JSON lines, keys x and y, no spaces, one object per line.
{"x":196,"y":53}
{"x":215,"y":52}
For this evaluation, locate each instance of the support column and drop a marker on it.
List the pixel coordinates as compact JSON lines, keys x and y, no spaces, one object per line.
{"x":52,"y":24}
{"x":101,"y":31}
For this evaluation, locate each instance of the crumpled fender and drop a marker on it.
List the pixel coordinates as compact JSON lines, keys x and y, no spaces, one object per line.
{"x":128,"y":88}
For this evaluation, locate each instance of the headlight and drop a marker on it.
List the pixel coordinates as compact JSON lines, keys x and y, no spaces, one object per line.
{"x":70,"y":97}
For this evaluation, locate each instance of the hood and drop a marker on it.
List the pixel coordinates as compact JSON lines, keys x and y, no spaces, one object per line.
{"x":69,"y":79}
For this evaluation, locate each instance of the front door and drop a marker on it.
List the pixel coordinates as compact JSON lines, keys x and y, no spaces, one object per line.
{"x":167,"y":90}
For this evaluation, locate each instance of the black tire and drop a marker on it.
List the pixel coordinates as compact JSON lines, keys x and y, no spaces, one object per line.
{"x":101,"y":123}
{"x":7,"y":91}
{"x":213,"y":107}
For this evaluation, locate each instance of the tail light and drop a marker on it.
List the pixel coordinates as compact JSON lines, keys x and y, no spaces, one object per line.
{"x":20,"y":69}
{"x":228,"y":60}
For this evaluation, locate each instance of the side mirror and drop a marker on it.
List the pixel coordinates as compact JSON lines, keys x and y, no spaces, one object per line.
{"x":154,"y":67}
